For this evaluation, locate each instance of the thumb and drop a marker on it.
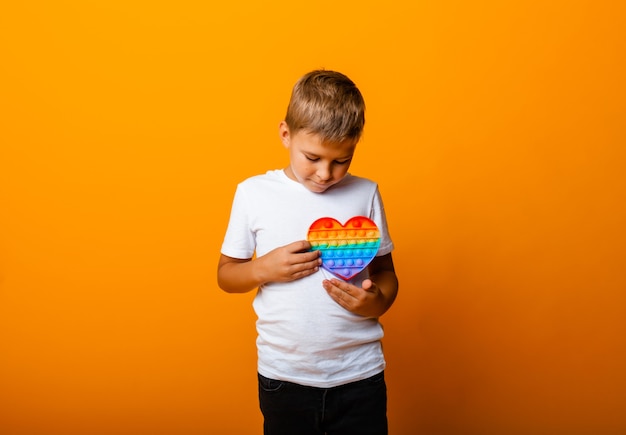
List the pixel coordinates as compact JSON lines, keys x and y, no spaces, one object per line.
{"x":367,"y":284}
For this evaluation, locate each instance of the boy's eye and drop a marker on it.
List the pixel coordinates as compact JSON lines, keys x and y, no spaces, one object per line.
{"x":338,"y":162}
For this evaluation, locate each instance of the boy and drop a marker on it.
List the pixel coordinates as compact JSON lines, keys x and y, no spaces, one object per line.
{"x":320,"y":360}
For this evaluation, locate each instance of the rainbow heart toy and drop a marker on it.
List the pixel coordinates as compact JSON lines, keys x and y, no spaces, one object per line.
{"x":346,"y":249}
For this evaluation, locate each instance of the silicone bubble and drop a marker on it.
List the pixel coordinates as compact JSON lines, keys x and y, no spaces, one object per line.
{"x":346,"y":249}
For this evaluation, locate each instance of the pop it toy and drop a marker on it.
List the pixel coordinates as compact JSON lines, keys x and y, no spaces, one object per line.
{"x":346,"y":249}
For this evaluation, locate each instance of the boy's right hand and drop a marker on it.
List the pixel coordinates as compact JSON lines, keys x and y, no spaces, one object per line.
{"x":288,"y":263}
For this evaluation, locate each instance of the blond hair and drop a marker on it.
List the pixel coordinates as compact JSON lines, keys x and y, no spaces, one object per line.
{"x":326,"y":103}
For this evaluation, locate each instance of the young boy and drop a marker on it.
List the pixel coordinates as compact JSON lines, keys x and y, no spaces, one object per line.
{"x":320,"y":360}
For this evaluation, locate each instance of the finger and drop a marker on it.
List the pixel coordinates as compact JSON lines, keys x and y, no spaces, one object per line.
{"x":305,"y":271}
{"x":339,"y":289}
{"x":301,"y":246}
{"x":310,"y":255}
{"x":341,"y":285}
{"x":311,"y":265}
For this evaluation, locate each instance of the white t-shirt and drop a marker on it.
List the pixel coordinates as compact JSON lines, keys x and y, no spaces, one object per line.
{"x":303,"y":335}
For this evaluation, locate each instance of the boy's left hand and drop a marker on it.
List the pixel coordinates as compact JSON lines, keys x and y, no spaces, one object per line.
{"x":365,"y":301}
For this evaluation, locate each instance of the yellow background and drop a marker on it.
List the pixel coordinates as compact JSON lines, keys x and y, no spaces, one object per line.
{"x":495,"y":129}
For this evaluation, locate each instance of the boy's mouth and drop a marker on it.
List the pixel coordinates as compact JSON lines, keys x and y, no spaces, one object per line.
{"x":321,"y":186}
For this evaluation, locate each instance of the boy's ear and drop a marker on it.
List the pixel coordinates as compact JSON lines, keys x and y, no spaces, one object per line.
{"x":285,"y":135}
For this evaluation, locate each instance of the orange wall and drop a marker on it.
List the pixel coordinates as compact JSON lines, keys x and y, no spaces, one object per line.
{"x":495,"y":129}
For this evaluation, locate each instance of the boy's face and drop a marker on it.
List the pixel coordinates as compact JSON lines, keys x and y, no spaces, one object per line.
{"x":315,"y":164}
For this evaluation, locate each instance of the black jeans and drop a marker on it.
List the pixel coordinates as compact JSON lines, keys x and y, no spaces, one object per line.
{"x":358,"y":408}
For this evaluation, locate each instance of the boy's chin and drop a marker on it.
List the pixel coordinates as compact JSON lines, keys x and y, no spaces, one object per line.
{"x":316,"y":188}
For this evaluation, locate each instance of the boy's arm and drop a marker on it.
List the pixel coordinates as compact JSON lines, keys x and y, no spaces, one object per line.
{"x":377,"y":293}
{"x":284,"y":264}
{"x":235,"y":275}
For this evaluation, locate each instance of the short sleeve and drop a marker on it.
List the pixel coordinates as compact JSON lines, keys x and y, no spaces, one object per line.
{"x":239,"y":241}
{"x":378,"y":216}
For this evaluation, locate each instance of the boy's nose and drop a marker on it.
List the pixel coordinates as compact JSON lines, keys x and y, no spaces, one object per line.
{"x":323,"y":173}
